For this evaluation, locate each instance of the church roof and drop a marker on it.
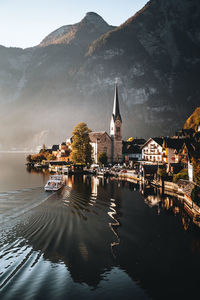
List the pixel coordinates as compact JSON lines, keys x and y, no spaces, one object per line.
{"x":96,"y":135}
{"x":116,"y":111}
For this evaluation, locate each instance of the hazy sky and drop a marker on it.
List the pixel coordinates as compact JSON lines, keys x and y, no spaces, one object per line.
{"x":24,"y":23}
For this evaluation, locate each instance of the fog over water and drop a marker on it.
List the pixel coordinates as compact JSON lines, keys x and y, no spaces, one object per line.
{"x":93,"y":239}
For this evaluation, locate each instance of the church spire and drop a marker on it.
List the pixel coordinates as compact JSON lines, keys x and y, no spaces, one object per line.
{"x":116,"y":111}
{"x":116,"y":129}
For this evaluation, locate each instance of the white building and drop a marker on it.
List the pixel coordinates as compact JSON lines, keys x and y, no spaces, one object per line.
{"x":162,"y":149}
{"x":152,"y":150}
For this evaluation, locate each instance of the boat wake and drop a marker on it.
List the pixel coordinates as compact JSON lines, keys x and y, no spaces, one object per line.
{"x":13,"y":204}
{"x":69,"y":229}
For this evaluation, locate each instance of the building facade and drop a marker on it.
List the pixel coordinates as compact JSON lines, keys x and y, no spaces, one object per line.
{"x":101,"y":143}
{"x":162,"y":149}
{"x":152,"y":150}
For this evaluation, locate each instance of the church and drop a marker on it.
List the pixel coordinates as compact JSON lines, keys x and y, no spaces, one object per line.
{"x":102,"y":142}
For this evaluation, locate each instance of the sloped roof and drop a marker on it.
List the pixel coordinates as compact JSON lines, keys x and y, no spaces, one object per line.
{"x":97,"y":135}
{"x":139,"y":141}
{"x":158,"y":140}
{"x":55,"y":147}
{"x":130,"y":148}
{"x":174,"y":143}
{"x":193,"y":148}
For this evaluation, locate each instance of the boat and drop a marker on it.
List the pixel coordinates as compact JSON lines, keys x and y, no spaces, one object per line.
{"x":65,"y":170}
{"x":54,"y":183}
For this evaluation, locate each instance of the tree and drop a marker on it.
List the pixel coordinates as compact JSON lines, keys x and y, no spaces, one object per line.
{"x":195,"y":195}
{"x":162,"y":173}
{"x":29,"y":158}
{"x":81,"y":148}
{"x":183,"y":174}
{"x":102,"y":158}
{"x":196,"y":166}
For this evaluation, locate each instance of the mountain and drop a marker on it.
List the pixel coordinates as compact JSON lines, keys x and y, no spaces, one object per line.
{"x":38,"y":98}
{"x":194,"y":120}
{"x":81,"y":34}
{"x":156,"y":55}
{"x":69,"y":77}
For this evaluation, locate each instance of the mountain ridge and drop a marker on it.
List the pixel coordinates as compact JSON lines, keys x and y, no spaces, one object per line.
{"x":67,"y":33}
{"x":154,"y":55}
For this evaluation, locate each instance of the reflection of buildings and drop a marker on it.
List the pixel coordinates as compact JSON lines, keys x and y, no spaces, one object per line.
{"x":94,"y":183}
{"x":152,"y":200}
{"x":80,"y":237}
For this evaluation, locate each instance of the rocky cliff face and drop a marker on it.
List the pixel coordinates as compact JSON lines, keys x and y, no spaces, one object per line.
{"x":70,"y":76}
{"x":156,"y":56}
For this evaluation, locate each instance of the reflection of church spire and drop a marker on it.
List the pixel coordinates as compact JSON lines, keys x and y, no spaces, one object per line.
{"x":116,"y":111}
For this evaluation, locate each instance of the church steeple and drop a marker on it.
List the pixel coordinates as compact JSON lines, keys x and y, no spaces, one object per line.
{"x":116,"y":129}
{"x":116,"y":120}
{"x":116,"y":111}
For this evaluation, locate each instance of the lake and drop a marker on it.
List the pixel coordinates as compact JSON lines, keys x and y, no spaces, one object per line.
{"x":94,"y":239}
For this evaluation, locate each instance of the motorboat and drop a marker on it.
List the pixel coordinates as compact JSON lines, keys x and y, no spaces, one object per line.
{"x":54,"y":183}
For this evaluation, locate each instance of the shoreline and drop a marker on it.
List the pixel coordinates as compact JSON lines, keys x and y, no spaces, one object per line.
{"x":171,"y":189}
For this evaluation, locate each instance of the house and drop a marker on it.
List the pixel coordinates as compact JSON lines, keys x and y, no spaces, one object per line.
{"x":55,"y":149}
{"x":171,"y":147}
{"x":132,"y":150}
{"x":110,"y":144}
{"x":152,"y":150}
{"x":163,"y":149}
{"x":61,"y":152}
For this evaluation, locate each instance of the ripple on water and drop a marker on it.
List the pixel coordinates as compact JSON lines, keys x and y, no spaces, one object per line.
{"x":13,"y":204}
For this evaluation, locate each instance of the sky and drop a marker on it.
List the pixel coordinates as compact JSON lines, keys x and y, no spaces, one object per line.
{"x":24,"y":23}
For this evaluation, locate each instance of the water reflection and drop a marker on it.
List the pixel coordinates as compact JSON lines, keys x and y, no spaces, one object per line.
{"x":94,"y":228}
{"x":154,"y":197}
{"x":68,"y":228}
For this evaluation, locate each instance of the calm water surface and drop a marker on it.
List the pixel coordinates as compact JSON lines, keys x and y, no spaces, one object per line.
{"x":94,"y":239}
